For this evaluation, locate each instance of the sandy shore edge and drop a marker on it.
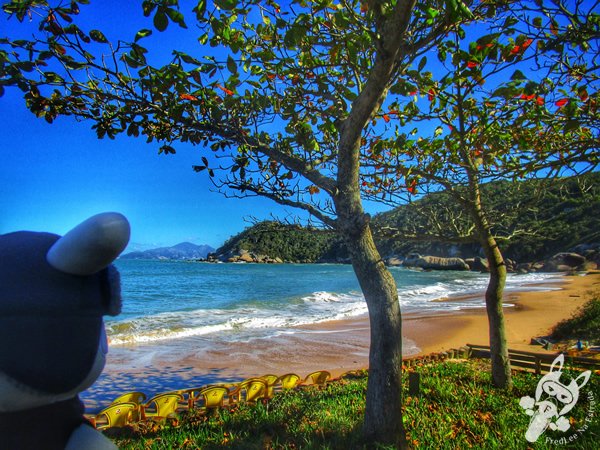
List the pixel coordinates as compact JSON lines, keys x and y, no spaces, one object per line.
{"x":334,"y":346}
{"x":534,"y":314}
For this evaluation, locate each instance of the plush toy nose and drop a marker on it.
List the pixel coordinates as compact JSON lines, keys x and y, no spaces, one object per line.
{"x":90,"y":246}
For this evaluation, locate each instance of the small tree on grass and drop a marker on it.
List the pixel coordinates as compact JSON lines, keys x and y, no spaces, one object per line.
{"x":511,"y":99}
{"x":281,"y":94}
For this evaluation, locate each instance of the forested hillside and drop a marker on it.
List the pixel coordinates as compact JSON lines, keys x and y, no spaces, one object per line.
{"x":535,"y":220}
{"x":290,"y":243}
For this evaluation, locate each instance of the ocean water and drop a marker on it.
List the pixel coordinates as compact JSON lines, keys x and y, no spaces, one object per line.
{"x":169,"y":300}
{"x":179,"y":318}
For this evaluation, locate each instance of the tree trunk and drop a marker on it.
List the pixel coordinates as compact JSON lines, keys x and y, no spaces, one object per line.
{"x":501,"y":376}
{"x":383,"y":414}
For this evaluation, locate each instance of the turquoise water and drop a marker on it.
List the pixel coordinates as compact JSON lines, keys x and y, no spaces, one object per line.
{"x":167,"y":300}
{"x":178,"y":313}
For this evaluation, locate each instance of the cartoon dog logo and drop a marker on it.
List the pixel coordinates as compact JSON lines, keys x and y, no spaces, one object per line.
{"x":553,"y":400}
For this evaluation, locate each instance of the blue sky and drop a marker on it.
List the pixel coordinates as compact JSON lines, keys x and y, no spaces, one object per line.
{"x":54,"y":176}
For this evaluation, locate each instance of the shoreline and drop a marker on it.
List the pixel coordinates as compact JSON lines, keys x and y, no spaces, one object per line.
{"x":534,"y":314}
{"x":336,"y":346}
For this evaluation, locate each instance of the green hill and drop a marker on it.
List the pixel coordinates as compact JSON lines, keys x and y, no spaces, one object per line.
{"x":289,"y":243}
{"x":533,"y":220}
{"x":541,"y":217}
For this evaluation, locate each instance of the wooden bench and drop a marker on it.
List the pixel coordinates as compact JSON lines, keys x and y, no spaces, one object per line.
{"x":537,"y":362}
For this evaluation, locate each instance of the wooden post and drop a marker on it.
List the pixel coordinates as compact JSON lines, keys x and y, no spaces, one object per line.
{"x":414,"y":381}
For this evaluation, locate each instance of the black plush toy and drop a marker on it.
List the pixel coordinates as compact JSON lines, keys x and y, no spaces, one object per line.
{"x":54,"y":292}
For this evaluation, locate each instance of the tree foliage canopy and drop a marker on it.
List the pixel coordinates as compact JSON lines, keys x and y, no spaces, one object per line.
{"x":511,"y":98}
{"x":268,"y":94}
{"x":274,"y":84}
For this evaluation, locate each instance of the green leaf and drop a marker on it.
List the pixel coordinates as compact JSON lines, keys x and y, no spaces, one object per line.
{"x":189,"y":59}
{"x":25,"y":66}
{"x":231,"y":65}
{"x":431,"y":14}
{"x":45,"y":55}
{"x":65,"y":16}
{"x":442,"y":53}
{"x":518,"y":75}
{"x":98,"y":36}
{"x":505,"y":92}
{"x":349,"y":95}
{"x":142,"y":34}
{"x":571,"y":124}
{"x":509,"y":22}
{"x":138,"y":53}
{"x":227,"y":5}
{"x":294,"y":36}
{"x":131,"y":62}
{"x":133,"y":130}
{"x":160,"y":20}
{"x":166,"y":149}
{"x":75,"y":7}
{"x":422,"y":63}
{"x":200,"y":9}
{"x":52,"y":77}
{"x":148,"y":6}
{"x":203,"y":39}
{"x":176,"y":17}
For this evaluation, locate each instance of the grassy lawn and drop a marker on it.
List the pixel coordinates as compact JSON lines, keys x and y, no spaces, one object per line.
{"x":457,"y":409}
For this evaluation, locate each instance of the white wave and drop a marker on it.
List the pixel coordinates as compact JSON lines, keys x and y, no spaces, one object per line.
{"x":332,"y":297}
{"x":532,"y":281}
{"x":161,"y":334}
{"x":268,"y":319}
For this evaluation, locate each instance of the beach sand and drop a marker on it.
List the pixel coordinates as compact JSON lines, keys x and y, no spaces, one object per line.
{"x":335,"y":346}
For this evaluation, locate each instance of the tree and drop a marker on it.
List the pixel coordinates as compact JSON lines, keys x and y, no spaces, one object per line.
{"x":515,"y":98}
{"x":283,"y":100}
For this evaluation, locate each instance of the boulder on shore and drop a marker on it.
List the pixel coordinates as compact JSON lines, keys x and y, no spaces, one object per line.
{"x":511,"y":265}
{"x":436,"y":263}
{"x":564,"y":262}
{"x":247,"y":257}
{"x":478,"y":264}
{"x":394,"y":261}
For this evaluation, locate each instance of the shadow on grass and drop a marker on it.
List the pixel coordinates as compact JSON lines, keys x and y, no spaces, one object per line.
{"x":457,"y":408}
{"x":154,"y":381}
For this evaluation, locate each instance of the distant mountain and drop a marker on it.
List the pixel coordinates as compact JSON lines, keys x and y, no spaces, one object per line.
{"x":185,"y":250}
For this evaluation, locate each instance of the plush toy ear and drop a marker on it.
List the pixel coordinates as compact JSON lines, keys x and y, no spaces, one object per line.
{"x":558,"y":361}
{"x":90,"y":246}
{"x":582,"y":379}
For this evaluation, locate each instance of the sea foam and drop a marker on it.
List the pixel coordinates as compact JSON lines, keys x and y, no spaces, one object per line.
{"x":245,"y":302}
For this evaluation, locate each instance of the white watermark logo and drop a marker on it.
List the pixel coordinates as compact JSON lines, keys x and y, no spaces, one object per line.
{"x":552,"y":401}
